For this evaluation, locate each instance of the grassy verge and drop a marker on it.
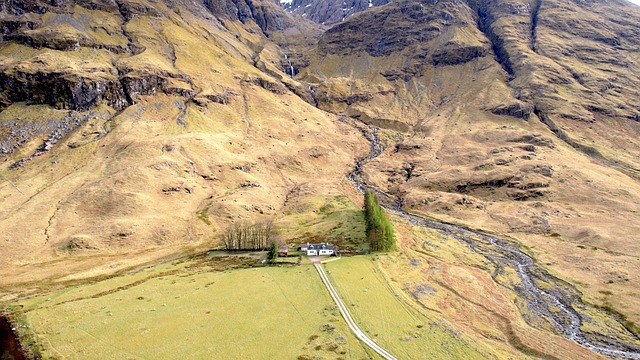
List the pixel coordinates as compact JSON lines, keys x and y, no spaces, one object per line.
{"x":390,"y":321}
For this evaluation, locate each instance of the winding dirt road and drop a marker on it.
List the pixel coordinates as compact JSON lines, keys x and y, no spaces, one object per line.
{"x":347,"y":316}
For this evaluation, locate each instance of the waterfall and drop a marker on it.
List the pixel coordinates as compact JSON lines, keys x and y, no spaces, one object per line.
{"x":292,"y":71}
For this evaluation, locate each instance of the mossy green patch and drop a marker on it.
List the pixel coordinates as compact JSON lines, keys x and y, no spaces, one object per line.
{"x":204,"y":214}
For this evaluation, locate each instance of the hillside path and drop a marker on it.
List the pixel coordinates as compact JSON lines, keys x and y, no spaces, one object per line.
{"x":347,"y":316}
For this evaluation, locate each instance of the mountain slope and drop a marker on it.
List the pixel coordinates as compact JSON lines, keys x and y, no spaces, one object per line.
{"x":493,"y":130}
{"x":329,"y":12}
{"x":133,"y":130}
{"x":116,"y":150}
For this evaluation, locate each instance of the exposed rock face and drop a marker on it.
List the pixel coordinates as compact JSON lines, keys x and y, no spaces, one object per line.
{"x":264,"y":83}
{"x":68,"y":91}
{"x":413,"y":41}
{"x":265,"y":14}
{"x":455,"y":54}
{"x":588,"y":80}
{"x":10,"y":24}
{"x":51,"y":36}
{"x":396,"y":27}
{"x":516,"y":109}
{"x":233,"y":9}
{"x":199,"y":102}
{"x":32,"y":6}
{"x":43,"y":79}
{"x":328,"y":12}
{"x":64,"y":91}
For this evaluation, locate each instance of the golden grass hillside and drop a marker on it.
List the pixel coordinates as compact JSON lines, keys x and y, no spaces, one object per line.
{"x":137,"y":131}
{"x":508,"y":140}
{"x":170,"y":171}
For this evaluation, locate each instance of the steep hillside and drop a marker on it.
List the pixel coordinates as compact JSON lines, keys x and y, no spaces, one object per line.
{"x":133,"y":125}
{"x":329,"y":12}
{"x":517,"y":118}
{"x":583,"y":89}
{"x":135,"y":130}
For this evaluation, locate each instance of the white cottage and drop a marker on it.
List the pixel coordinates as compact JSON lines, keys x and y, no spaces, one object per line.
{"x":324,"y":249}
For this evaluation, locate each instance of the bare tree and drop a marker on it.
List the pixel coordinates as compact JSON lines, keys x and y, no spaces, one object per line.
{"x":249,"y":236}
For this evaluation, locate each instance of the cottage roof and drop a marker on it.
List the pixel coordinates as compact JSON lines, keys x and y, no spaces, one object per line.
{"x":324,"y":246}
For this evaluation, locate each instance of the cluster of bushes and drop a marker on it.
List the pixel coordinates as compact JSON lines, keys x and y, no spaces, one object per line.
{"x":379,"y":230}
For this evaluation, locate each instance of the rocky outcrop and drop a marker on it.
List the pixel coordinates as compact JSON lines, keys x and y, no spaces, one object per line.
{"x":516,"y":109}
{"x":413,"y":70}
{"x":328,"y":12}
{"x":61,"y":90}
{"x":42,"y":6}
{"x":56,"y":131}
{"x":10,"y":24}
{"x":136,"y":85}
{"x":267,"y":15}
{"x":428,"y":33}
{"x":28,"y":6}
{"x":485,"y":19}
{"x":16,"y":134}
{"x":534,"y":139}
{"x":328,"y":96}
{"x":454,"y":55}
{"x":392,"y":35}
{"x":231,"y":9}
{"x":130,"y":9}
{"x":74,"y":92}
{"x":60,"y":41}
{"x":222,"y":97}
{"x":273,"y":86}
{"x":79,"y":86}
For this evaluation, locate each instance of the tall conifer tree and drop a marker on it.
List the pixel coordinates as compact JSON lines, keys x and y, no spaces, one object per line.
{"x":379,"y":229}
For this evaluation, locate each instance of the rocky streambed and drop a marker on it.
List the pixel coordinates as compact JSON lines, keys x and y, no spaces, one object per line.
{"x":546,"y":296}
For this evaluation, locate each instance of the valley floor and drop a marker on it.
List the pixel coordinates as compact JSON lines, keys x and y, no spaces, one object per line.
{"x":196,"y":309}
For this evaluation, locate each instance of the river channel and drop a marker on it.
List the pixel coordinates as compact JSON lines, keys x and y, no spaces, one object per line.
{"x":556,"y":303}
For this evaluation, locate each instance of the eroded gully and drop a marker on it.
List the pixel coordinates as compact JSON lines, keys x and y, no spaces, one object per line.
{"x":556,"y":303}
{"x":9,"y":343}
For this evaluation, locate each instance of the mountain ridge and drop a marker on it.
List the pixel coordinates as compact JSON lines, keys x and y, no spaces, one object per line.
{"x":124,"y":125}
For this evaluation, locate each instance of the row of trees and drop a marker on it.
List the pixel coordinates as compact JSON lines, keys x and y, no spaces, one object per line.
{"x":379,"y":230}
{"x":249,"y":236}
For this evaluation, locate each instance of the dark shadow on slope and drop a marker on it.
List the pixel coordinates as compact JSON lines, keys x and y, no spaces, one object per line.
{"x":485,"y":22}
{"x":535,"y":10}
{"x":10,"y":348}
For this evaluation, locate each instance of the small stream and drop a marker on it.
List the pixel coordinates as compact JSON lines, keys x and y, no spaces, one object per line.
{"x":557,"y":304}
{"x":9,"y":344}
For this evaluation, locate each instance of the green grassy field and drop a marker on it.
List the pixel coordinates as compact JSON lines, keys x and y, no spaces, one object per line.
{"x":186,"y":310}
{"x":388,"y":319}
